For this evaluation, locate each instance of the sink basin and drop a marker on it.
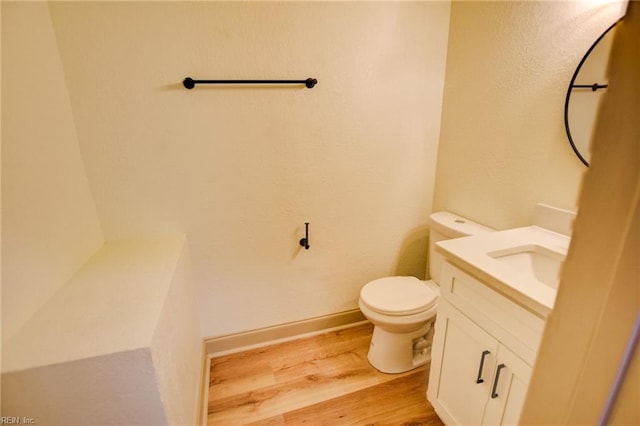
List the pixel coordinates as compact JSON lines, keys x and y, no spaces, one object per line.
{"x":521,"y":263}
{"x":544,"y":264}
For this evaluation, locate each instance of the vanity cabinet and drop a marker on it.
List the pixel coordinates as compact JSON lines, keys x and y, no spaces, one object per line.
{"x":483,"y":351}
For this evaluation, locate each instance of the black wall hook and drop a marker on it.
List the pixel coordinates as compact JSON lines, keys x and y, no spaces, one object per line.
{"x":305,"y":241}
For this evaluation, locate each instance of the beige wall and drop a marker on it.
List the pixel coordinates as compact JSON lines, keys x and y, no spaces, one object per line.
{"x":239,"y":170}
{"x":49,"y":222}
{"x":125,"y":324}
{"x":503,"y":146}
{"x":599,"y":300}
{"x":177,"y":350}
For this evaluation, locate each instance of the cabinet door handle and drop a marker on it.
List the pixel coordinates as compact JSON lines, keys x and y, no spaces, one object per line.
{"x":480,"y":379}
{"x":494,"y":393}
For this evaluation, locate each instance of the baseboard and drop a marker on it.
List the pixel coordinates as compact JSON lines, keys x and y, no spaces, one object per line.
{"x":203,"y":390}
{"x":225,"y":345}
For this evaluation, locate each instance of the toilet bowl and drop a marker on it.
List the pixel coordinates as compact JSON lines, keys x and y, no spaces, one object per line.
{"x":403,"y":309}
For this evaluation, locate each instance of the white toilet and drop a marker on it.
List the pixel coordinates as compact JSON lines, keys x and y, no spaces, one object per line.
{"x":403,"y":309}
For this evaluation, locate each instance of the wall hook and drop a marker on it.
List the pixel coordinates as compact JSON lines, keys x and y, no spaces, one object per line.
{"x":304,"y":242}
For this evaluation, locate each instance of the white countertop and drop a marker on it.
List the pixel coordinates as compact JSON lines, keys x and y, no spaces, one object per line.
{"x":473,"y":255}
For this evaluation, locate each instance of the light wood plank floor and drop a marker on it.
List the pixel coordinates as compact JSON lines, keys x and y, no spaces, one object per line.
{"x":321,"y":380}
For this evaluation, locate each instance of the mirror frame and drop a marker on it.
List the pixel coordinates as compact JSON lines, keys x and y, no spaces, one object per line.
{"x":571,"y":86}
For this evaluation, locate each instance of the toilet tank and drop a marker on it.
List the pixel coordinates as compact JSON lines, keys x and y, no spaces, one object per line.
{"x":446,"y":226}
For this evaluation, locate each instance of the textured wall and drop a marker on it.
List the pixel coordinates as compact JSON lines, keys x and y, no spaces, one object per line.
{"x":503,"y":146}
{"x":176,"y":349}
{"x":239,"y":170}
{"x":114,"y":389}
{"x":49,"y":222}
{"x":118,"y":344}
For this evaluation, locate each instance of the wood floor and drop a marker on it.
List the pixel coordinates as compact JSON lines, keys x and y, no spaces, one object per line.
{"x":321,"y":380}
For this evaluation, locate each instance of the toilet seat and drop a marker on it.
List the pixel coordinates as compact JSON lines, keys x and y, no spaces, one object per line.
{"x":398,"y":296}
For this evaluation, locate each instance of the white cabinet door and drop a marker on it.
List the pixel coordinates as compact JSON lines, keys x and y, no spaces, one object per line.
{"x":463,"y":361}
{"x":508,"y":389}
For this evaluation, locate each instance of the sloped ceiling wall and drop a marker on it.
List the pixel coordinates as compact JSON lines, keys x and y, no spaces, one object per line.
{"x":50,"y":226}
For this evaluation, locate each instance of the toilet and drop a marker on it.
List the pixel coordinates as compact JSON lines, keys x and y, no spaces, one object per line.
{"x":403,"y":309}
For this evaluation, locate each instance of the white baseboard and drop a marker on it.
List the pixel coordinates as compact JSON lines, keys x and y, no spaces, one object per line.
{"x":232,"y":343}
{"x":203,"y":406}
{"x":203,"y":391}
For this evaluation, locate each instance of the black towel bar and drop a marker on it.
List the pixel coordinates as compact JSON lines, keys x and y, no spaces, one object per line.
{"x":190,"y":83}
{"x":593,"y":87}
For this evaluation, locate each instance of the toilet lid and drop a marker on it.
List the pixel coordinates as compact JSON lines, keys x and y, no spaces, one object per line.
{"x":398,"y":295}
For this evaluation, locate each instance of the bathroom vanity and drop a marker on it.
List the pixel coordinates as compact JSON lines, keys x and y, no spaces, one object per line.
{"x":496,"y":291}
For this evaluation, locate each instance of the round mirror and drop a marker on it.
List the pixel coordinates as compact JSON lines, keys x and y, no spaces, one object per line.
{"x":585,"y":92}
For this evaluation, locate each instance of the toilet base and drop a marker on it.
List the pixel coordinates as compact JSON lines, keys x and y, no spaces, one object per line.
{"x":397,"y":352}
